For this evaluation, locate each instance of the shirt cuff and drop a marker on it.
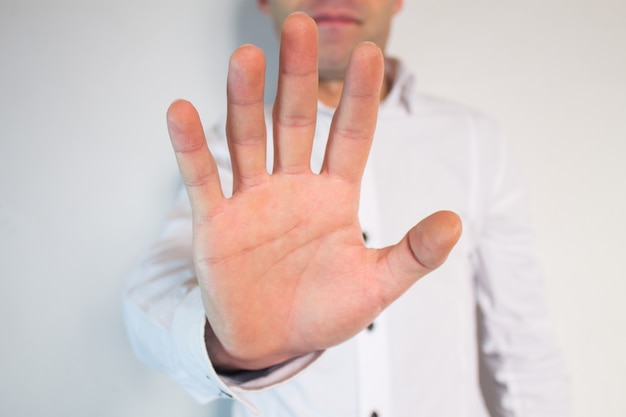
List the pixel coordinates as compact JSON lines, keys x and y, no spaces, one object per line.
{"x":203,"y":382}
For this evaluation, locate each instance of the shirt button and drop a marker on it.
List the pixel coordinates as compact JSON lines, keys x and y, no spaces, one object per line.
{"x":370,"y":327}
{"x":374,"y":414}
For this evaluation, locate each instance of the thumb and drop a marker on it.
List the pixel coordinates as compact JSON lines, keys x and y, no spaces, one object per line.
{"x":433,"y":238}
{"x":424,"y":248}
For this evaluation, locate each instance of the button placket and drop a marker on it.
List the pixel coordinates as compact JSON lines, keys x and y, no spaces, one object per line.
{"x":373,"y":370}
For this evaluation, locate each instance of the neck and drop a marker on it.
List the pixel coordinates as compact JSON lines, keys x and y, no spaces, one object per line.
{"x":329,"y":92}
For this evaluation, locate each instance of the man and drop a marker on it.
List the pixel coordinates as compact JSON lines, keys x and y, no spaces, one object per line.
{"x":284,"y":306}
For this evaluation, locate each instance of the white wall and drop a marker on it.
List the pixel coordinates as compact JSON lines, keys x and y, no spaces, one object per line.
{"x":86,"y":173}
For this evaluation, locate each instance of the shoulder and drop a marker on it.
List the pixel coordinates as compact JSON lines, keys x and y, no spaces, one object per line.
{"x":425,"y":106}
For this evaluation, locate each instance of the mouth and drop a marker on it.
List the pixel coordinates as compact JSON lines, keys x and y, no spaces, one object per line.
{"x":335,"y":18}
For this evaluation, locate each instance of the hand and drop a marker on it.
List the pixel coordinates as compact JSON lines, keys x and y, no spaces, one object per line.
{"x":282,"y":266}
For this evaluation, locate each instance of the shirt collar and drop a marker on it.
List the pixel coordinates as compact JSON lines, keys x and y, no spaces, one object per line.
{"x":400,"y":96}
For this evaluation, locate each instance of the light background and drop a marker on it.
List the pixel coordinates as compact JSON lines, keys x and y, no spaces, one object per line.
{"x":86,"y":171}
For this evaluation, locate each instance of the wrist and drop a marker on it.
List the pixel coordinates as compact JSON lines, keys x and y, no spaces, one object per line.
{"x":226,"y":361}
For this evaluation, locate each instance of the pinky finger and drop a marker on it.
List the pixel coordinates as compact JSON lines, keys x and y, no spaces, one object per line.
{"x":195,"y":162}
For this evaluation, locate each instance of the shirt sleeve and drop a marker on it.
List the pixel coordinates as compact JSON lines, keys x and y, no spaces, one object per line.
{"x":165,"y":319}
{"x":522,"y":371}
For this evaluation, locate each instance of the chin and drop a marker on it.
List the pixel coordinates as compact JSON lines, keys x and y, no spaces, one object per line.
{"x":332,"y":75}
{"x":333,"y":71}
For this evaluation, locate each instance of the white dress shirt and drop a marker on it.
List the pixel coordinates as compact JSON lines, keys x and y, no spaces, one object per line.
{"x":471,"y":339}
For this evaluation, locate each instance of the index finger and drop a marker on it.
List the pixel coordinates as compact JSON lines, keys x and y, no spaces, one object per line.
{"x":354,"y":122}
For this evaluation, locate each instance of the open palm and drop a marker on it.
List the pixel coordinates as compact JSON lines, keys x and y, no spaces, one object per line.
{"x":281,"y":264}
